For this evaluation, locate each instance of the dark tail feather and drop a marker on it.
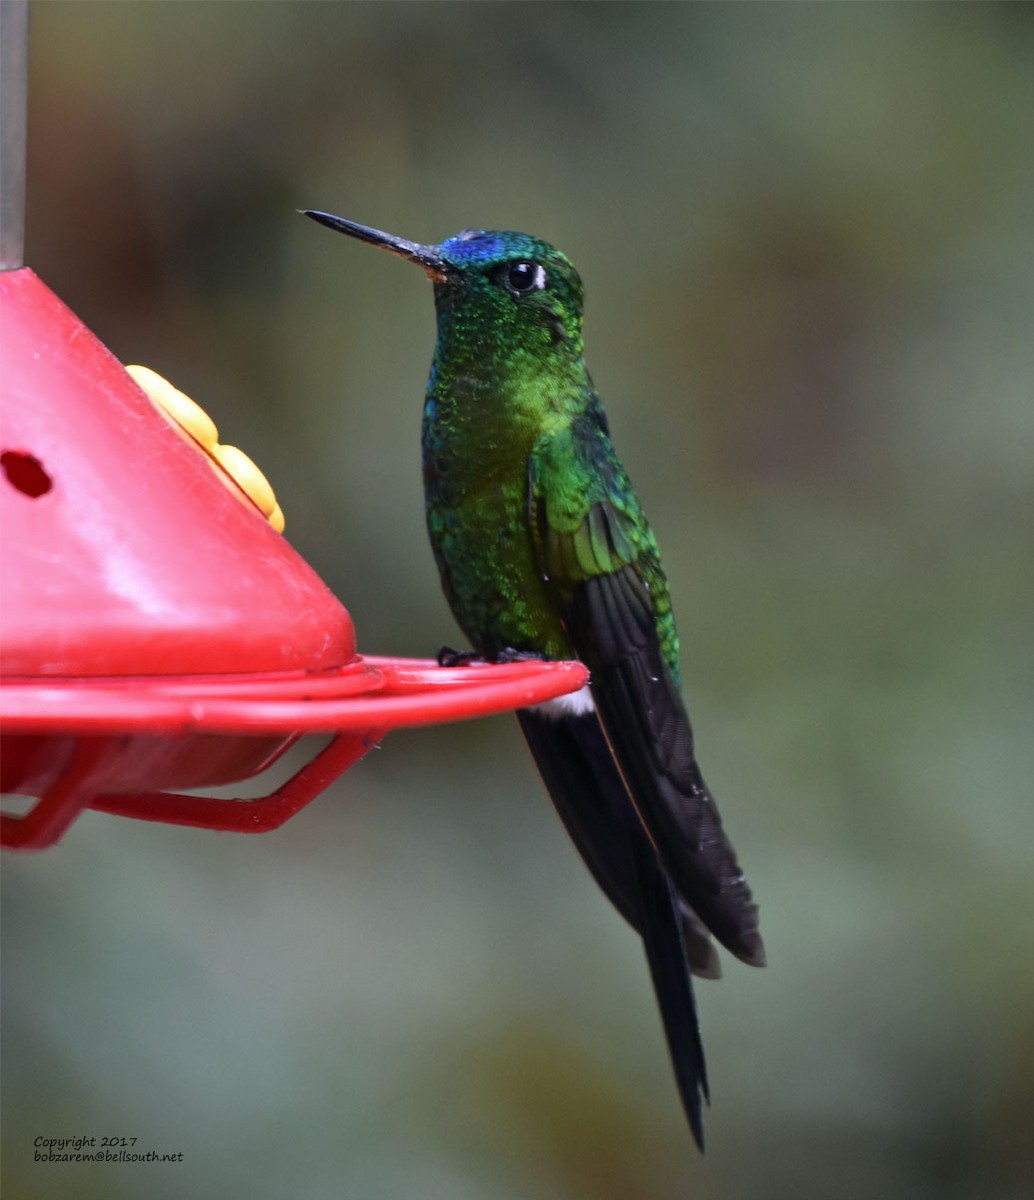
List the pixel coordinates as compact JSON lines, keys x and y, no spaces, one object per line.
{"x":576,"y":765}
{"x":673,"y":984}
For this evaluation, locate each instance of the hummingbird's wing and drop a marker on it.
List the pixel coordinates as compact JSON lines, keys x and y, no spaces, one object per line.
{"x":599,"y":557}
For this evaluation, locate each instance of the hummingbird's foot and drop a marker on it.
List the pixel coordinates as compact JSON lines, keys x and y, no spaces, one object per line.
{"x":447,"y":657}
{"x":510,"y":655}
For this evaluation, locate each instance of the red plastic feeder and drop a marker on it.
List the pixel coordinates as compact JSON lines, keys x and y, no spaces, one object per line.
{"x":158,"y":633}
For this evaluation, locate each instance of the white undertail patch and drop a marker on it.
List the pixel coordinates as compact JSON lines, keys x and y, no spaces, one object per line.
{"x":574,"y":704}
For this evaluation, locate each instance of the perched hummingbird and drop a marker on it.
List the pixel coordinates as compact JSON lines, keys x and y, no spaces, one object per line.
{"x":544,"y":552}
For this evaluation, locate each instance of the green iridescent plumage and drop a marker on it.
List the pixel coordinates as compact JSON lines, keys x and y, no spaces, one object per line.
{"x":543,"y":550}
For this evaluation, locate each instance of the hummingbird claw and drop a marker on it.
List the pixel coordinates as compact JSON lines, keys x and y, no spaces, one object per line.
{"x":447,"y":657}
{"x":510,"y":655}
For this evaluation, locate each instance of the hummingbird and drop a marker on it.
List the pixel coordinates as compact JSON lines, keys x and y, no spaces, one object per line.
{"x":544,"y":552}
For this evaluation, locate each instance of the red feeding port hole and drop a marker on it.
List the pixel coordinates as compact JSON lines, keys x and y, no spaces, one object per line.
{"x":26,"y":473}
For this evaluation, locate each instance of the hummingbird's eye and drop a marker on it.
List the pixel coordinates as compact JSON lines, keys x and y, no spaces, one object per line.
{"x":524,"y":277}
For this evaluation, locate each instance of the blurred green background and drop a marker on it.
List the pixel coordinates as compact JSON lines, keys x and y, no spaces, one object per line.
{"x":807,"y":237}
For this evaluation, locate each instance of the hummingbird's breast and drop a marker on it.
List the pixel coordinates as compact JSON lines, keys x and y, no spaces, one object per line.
{"x":476,"y":502}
